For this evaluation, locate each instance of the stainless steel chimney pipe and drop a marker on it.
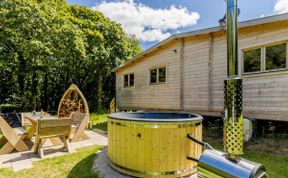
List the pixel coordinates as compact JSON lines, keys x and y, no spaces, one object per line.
{"x":232,"y":38}
{"x":233,"y":131}
{"x":213,"y":163}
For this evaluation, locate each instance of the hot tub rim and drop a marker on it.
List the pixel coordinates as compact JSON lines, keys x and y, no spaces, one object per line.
{"x":197,"y":118}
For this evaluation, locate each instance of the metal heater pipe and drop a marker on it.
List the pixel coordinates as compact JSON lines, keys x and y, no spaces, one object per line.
{"x":233,"y":131}
{"x":232,"y":38}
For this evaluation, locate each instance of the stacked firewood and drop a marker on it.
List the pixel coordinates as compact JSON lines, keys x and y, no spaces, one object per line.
{"x":70,"y":105}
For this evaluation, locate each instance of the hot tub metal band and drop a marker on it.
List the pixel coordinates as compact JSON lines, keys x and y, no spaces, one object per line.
{"x":143,"y":125}
{"x":137,"y":172}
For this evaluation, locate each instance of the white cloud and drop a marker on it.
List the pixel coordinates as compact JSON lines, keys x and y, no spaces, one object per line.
{"x":146,"y":23}
{"x":281,"y":6}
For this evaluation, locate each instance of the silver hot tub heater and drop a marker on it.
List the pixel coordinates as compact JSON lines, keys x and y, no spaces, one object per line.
{"x":228,"y":164}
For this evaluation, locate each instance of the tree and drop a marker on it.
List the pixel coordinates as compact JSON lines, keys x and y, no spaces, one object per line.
{"x":47,"y":45}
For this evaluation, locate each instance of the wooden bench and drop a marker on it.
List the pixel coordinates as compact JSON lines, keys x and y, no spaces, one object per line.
{"x":50,"y":128}
{"x":12,"y":138}
{"x":79,"y":123}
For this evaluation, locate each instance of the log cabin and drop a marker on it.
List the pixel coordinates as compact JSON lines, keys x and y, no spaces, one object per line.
{"x":186,"y":72}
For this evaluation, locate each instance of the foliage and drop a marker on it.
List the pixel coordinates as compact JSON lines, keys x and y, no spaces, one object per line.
{"x":73,"y":165}
{"x":99,"y":121}
{"x":98,"y":118}
{"x":45,"y":45}
{"x":101,"y":126}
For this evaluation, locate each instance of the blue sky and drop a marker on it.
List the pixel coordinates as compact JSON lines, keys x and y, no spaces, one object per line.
{"x":184,"y":15}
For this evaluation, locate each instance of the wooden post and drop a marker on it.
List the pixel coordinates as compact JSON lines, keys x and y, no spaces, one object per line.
{"x":181,"y":74}
{"x":210,"y":70}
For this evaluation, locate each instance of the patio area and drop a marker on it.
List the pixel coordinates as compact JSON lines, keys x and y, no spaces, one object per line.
{"x":24,"y":160}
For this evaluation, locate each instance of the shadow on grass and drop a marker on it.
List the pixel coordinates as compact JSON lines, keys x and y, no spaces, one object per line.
{"x":84,"y":168}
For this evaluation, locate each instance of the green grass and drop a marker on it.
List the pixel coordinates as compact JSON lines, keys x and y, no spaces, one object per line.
{"x":98,"y":118}
{"x":276,"y":165}
{"x":101,"y":126}
{"x":73,"y":165}
{"x":99,"y":121}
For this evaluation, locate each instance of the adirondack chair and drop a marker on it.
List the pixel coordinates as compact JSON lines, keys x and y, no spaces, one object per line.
{"x":51,"y":128}
{"x":79,"y":123}
{"x":12,"y":138}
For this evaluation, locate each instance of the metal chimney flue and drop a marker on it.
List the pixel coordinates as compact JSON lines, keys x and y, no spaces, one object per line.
{"x":213,"y":163}
{"x":233,"y":131}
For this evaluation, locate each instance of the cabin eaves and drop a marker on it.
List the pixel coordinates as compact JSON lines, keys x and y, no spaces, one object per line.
{"x":248,"y":23}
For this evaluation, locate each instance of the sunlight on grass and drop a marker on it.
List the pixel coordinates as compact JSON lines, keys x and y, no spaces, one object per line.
{"x":73,"y":165}
{"x":98,"y":118}
{"x":99,"y":121}
{"x":276,"y":165}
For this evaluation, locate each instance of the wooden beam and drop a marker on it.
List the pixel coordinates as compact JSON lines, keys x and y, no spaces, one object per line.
{"x":287,"y":55}
{"x":210,"y":68}
{"x":263,"y":59}
{"x":181,"y":74}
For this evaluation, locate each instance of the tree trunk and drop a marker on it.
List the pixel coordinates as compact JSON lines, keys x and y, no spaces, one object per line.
{"x":99,"y":92}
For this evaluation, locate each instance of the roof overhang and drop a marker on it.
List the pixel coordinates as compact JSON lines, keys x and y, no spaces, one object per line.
{"x":248,"y":23}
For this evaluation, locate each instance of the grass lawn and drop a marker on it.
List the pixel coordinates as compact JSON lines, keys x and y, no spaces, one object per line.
{"x":276,"y":165}
{"x":99,"y":121}
{"x":76,"y":165}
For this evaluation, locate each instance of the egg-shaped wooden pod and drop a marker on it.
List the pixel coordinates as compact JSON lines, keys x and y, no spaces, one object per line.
{"x":146,"y":144}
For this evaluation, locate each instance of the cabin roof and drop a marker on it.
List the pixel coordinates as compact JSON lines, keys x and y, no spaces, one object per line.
{"x":248,"y":23}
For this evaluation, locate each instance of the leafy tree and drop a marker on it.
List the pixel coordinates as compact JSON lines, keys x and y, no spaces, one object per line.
{"x":45,"y":45}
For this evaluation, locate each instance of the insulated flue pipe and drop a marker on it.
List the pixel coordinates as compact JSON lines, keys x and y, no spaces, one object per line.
{"x":232,"y":38}
{"x":233,"y":131}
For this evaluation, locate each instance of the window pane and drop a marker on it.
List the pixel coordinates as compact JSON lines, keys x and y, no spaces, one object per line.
{"x":162,"y":74}
{"x":153,"y":76}
{"x":125,"y":80}
{"x":131,"y":80}
{"x":276,"y":57}
{"x":252,"y":60}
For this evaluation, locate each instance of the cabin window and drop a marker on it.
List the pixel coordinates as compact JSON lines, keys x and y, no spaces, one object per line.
{"x":129,"y":80}
{"x":265,"y":58}
{"x":276,"y":57}
{"x":162,"y":75}
{"x":153,"y":76}
{"x":252,"y":60}
{"x":158,"y":75}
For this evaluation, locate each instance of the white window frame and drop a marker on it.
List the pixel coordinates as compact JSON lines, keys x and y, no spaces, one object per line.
{"x":157,"y":75}
{"x":129,"y":85}
{"x":263,"y":58}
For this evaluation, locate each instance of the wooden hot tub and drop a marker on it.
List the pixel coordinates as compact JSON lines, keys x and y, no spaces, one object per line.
{"x":148,"y":144}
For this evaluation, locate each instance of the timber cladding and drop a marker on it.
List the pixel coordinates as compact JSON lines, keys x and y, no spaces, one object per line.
{"x":196,"y":68}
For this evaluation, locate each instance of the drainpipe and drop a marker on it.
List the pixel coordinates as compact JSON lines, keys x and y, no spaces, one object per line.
{"x":233,"y":120}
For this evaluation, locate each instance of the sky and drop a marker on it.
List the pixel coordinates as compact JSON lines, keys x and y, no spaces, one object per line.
{"x":152,"y":21}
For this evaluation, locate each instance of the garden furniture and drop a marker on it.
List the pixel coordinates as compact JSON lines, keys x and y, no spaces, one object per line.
{"x":50,"y":129}
{"x":79,"y":123}
{"x":12,"y":138}
{"x":34,"y":118}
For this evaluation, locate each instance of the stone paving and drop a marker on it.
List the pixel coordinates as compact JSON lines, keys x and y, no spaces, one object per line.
{"x":102,"y":168}
{"x":23,"y":160}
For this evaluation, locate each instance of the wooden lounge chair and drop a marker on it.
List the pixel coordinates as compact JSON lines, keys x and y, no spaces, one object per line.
{"x":12,"y":138}
{"x":79,"y":123}
{"x":49,"y":129}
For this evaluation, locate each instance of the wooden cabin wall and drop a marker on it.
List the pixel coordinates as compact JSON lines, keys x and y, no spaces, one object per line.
{"x":155,"y":96}
{"x":265,"y":95}
{"x":196,"y":73}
